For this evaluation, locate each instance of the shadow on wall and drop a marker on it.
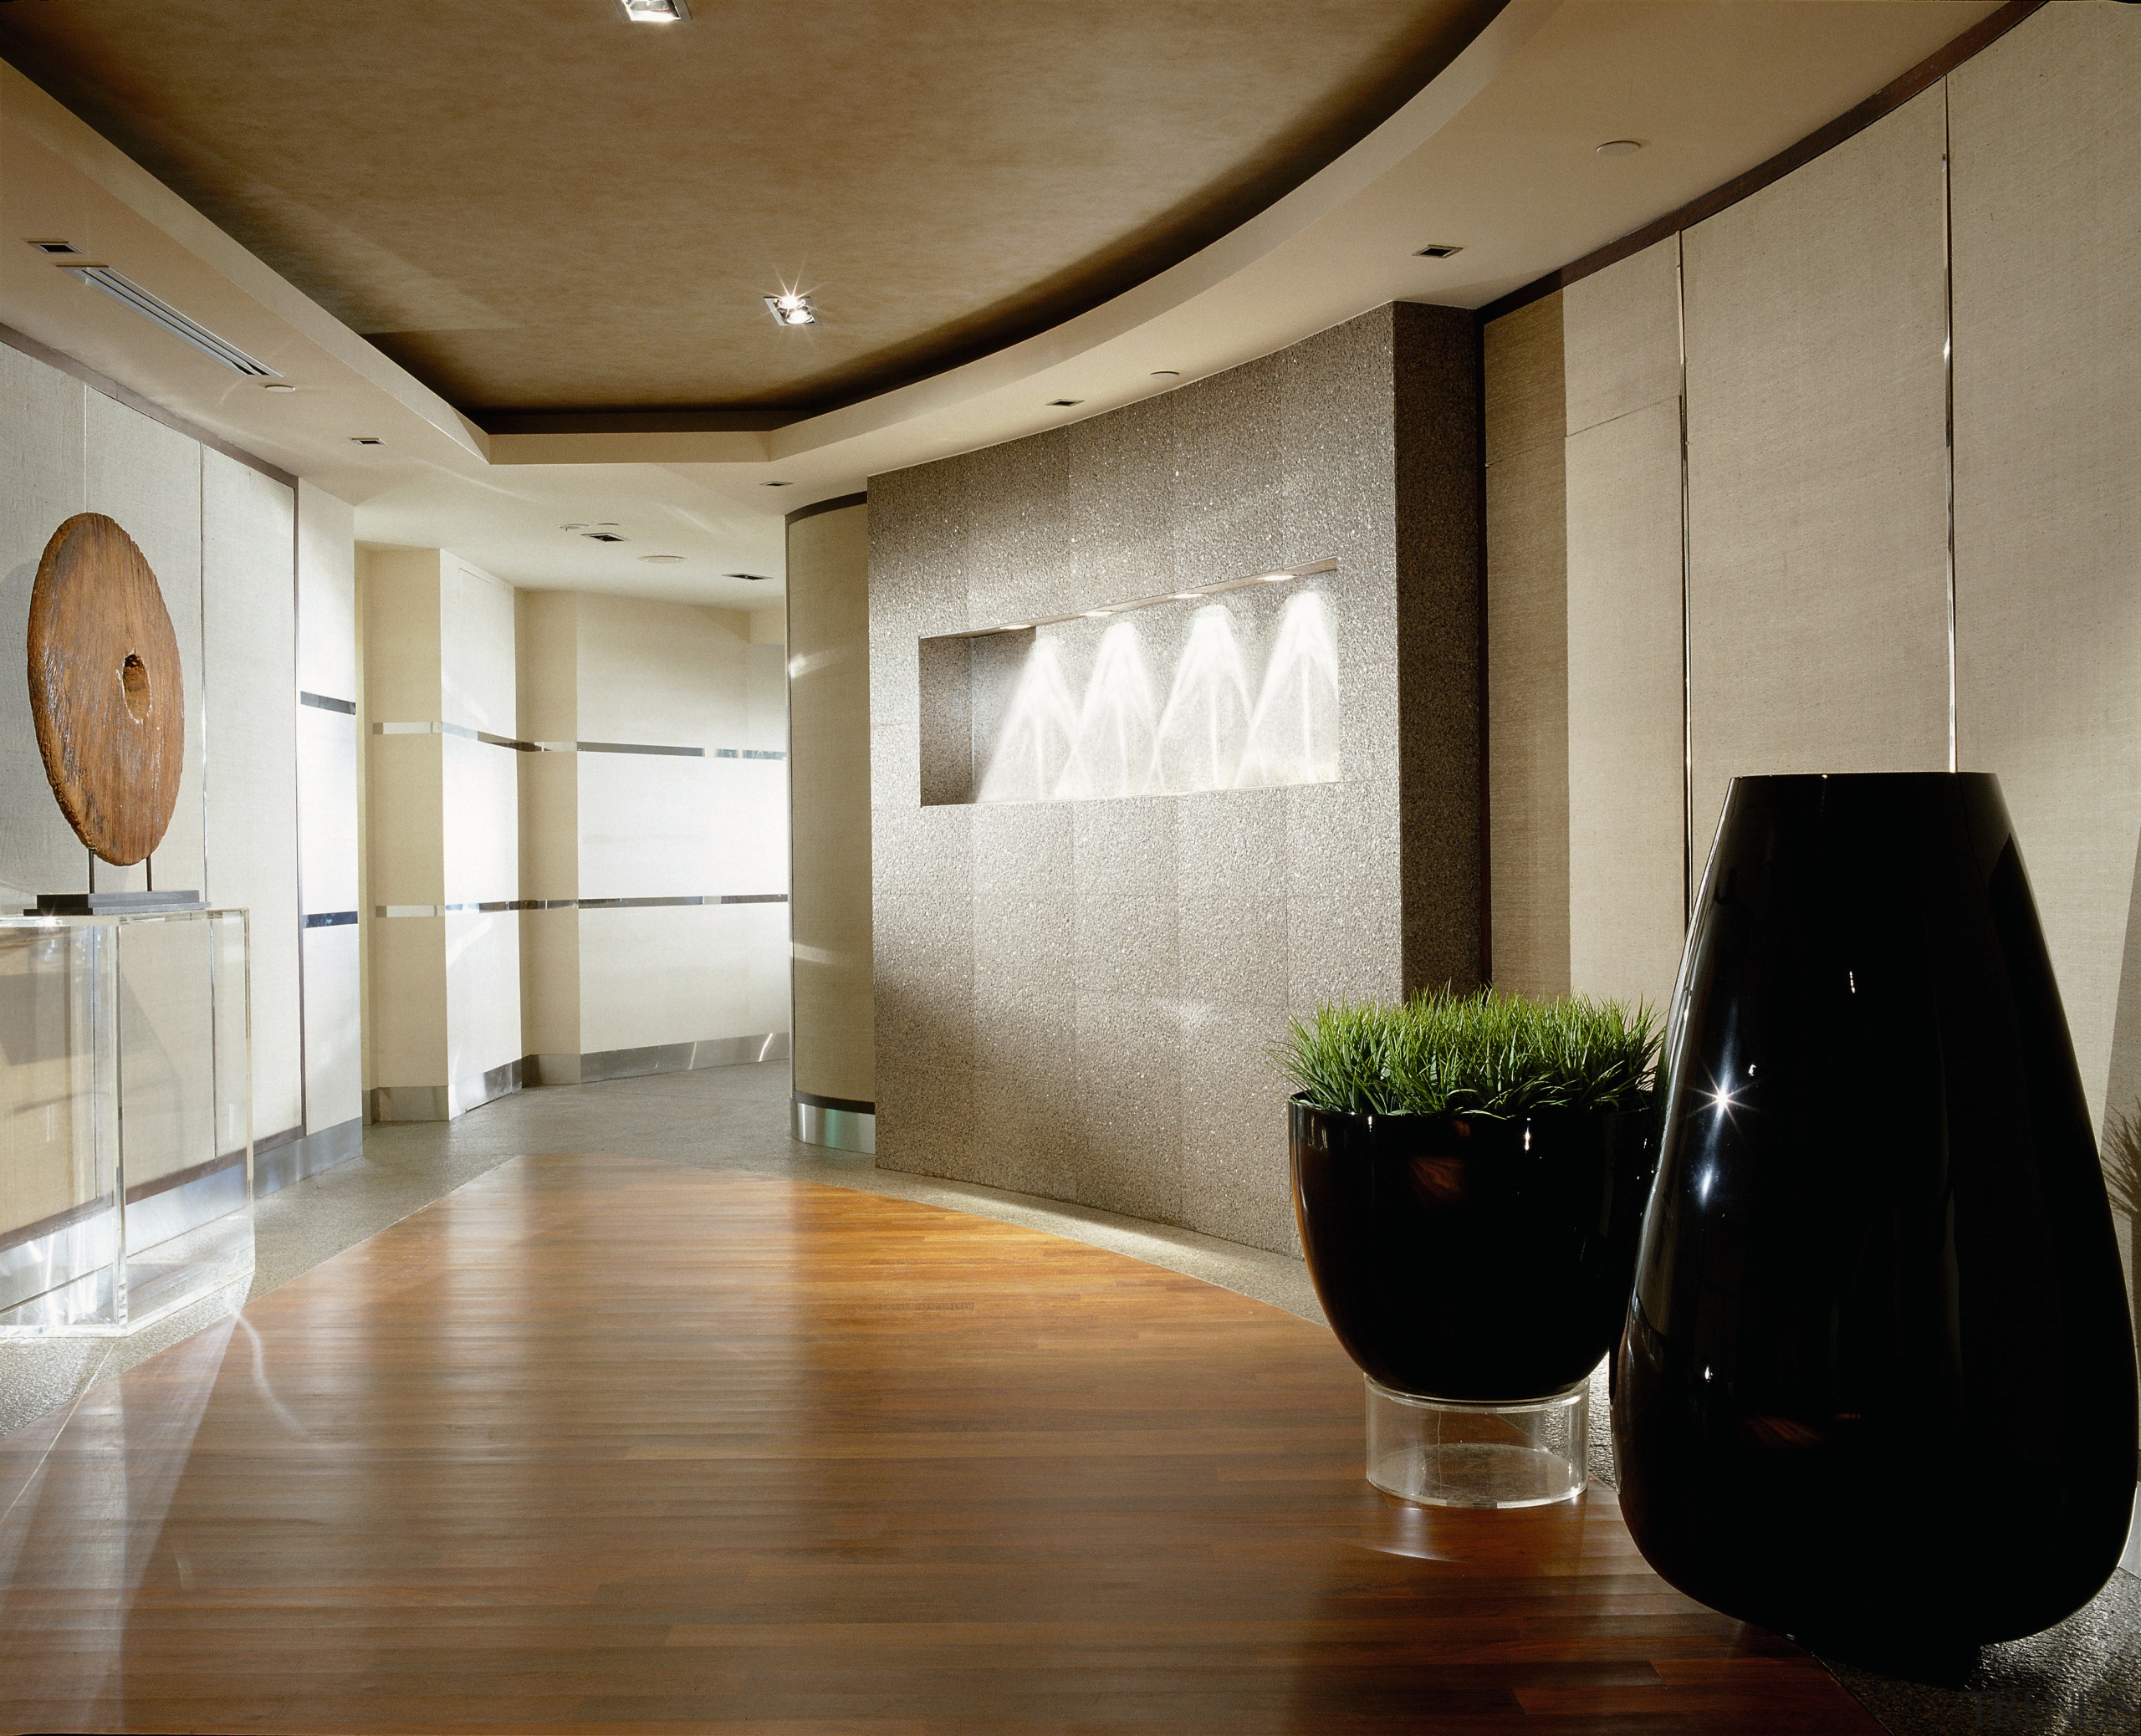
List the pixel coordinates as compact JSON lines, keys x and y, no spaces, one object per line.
{"x":2122,"y":1134}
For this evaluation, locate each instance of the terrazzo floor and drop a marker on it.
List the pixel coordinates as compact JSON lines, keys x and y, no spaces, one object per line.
{"x":2082,"y":1677}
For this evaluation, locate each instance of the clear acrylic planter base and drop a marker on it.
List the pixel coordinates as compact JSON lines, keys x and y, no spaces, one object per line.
{"x":125,"y":1095}
{"x":1443,"y":1454}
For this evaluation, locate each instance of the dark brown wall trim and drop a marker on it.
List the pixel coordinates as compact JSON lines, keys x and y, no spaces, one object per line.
{"x":134,"y":401}
{"x":1887,"y":100}
{"x":832,"y":505}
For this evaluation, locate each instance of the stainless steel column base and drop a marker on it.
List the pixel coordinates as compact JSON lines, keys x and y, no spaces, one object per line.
{"x":839,"y":1124}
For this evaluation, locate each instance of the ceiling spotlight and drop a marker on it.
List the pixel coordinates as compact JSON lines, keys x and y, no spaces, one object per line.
{"x":776,"y":485}
{"x":656,"y":12}
{"x":1620,"y":147}
{"x":1064,"y":403}
{"x":278,"y":385}
{"x":55,"y":246}
{"x":1167,"y":373}
{"x":662,"y":560}
{"x":791,"y":307}
{"x":1436,"y":250}
{"x":366,"y":440}
{"x":751,"y":578}
{"x":605,"y":536}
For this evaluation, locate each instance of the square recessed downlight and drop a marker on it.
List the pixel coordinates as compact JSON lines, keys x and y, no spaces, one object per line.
{"x":656,"y":12}
{"x":791,"y":307}
{"x":1436,"y":250}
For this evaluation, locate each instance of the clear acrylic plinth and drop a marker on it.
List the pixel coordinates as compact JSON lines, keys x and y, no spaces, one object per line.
{"x":126,"y":1118}
{"x":1444,"y":1454}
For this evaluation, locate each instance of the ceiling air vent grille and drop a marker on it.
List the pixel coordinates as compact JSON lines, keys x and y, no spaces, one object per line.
{"x":150,"y":307}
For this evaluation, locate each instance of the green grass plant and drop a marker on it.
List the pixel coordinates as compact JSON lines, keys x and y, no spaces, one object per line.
{"x":1482,"y":1054}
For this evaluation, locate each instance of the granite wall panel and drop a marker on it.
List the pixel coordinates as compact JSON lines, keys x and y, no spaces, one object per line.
{"x":1080,"y":1000}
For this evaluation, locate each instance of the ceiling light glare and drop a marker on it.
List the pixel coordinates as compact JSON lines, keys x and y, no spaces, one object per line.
{"x":656,"y":12}
{"x":1185,"y":596}
{"x":1620,"y":147}
{"x":1276,"y":578}
{"x":791,"y":307}
{"x":1097,"y":613}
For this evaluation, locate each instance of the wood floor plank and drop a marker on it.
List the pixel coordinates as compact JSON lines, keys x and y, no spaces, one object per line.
{"x":603,"y":1443}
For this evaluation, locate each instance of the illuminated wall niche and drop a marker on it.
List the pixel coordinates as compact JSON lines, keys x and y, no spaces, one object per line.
{"x":1228,"y":687}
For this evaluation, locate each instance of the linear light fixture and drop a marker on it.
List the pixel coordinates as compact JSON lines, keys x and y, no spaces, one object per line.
{"x":655,"y":12}
{"x":1203,"y":593}
{"x":130,"y":294}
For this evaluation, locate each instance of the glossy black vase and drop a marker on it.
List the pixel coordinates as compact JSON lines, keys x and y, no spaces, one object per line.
{"x":1877,"y":1386}
{"x":1467,"y":1258}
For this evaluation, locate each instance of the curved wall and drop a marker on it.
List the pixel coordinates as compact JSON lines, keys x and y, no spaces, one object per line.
{"x":829,"y":784}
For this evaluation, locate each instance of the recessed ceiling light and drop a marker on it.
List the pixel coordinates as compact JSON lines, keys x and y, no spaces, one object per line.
{"x":791,"y":307}
{"x":605,"y":536}
{"x":55,"y":246}
{"x":1620,"y":147}
{"x":572,"y":527}
{"x":662,"y":560}
{"x":278,"y":385}
{"x":656,"y":12}
{"x":776,"y":485}
{"x":1436,"y":250}
{"x":1167,"y":373}
{"x":751,"y":578}
{"x":1064,"y":403}
{"x":366,"y":440}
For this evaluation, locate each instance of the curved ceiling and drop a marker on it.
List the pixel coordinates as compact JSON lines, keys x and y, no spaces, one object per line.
{"x":536,"y":207}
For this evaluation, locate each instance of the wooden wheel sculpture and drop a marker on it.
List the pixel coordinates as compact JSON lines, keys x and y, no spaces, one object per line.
{"x":106,"y":689}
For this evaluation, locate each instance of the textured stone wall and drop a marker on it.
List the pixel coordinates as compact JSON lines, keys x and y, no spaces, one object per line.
{"x":1079,"y":999}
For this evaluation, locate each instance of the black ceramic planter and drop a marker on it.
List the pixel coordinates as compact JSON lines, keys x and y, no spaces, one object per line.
{"x":1472,"y":1259}
{"x":1877,"y":1388}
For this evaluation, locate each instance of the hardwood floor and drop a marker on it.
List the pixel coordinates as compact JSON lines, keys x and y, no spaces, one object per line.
{"x":610,"y":1444}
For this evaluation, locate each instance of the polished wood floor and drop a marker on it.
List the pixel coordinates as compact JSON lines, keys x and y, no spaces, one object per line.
{"x":607,"y":1443}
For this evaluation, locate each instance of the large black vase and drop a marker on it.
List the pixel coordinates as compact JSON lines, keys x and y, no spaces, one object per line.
{"x":1469,"y":1258}
{"x":1877,"y":1386}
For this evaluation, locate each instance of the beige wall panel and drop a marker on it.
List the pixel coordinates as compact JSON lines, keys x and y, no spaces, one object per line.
{"x":1817,"y":468}
{"x":550,"y":980}
{"x":1622,"y":336}
{"x":549,"y":825}
{"x":41,"y":485}
{"x":148,"y":476}
{"x":327,"y":809}
{"x":406,"y":989}
{"x":829,"y":776}
{"x":546,"y":665}
{"x":1627,"y":905}
{"x":2047,"y":213}
{"x":249,"y":602}
{"x":405,"y":808}
{"x":1527,"y":653}
{"x":401,"y":633}
{"x":1524,"y":381}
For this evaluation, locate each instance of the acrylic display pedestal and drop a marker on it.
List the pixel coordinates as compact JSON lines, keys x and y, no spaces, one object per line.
{"x":125,"y":1117}
{"x":1444,"y":1454}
